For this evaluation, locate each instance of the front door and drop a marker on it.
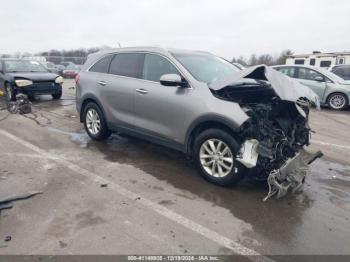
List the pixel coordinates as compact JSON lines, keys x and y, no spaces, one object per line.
{"x":159,"y":109}
{"x":312,"y":79}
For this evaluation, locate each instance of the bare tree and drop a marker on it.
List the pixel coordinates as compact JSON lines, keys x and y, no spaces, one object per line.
{"x":253,"y":60}
{"x":265,"y":59}
{"x":281,"y":60}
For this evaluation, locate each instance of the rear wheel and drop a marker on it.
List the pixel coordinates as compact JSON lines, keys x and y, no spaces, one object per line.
{"x":215,"y":153}
{"x":95,"y":123}
{"x":338,"y":101}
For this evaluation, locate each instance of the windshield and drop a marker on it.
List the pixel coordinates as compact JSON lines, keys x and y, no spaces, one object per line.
{"x":205,"y":67}
{"x":331,"y":75}
{"x":24,"y":66}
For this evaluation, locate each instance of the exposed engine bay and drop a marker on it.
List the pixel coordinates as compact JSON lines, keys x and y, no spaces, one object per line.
{"x":274,"y":137}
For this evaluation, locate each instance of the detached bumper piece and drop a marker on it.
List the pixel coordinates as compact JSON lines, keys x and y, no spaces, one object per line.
{"x":291,"y":175}
{"x":22,"y":105}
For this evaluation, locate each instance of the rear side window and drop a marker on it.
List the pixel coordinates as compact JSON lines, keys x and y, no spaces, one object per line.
{"x":127,"y":65}
{"x":289,"y":71}
{"x":155,"y":66}
{"x":312,"y":61}
{"x":102,"y":65}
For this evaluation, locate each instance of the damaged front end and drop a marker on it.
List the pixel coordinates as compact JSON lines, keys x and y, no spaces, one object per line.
{"x":274,"y":138}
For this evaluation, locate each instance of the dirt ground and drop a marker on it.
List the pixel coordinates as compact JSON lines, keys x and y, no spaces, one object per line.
{"x":126,"y":196}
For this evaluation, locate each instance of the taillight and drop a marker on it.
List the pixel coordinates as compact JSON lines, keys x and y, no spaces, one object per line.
{"x":77,"y":78}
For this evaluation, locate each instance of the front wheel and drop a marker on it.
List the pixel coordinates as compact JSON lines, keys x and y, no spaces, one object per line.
{"x":95,"y":123}
{"x":57,"y":95}
{"x":338,"y":101}
{"x":215,"y":157}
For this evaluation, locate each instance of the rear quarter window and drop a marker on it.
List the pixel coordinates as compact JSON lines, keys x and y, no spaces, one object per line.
{"x":102,"y":65}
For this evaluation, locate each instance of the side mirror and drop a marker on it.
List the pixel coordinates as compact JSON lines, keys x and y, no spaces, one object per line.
{"x":319,"y":78}
{"x":173,"y":80}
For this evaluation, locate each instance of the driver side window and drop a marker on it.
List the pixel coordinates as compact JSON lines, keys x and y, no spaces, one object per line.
{"x":155,"y":66}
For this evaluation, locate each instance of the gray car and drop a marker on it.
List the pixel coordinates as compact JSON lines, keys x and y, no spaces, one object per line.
{"x":332,"y":90}
{"x":232,"y":123}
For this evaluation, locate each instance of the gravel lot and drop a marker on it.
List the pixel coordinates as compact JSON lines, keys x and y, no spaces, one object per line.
{"x":126,"y":196}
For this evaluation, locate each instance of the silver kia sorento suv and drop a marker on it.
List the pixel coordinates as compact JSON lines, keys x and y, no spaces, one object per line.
{"x":228,"y":121}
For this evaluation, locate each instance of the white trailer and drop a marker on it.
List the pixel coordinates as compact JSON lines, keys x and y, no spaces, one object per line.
{"x":319,"y":59}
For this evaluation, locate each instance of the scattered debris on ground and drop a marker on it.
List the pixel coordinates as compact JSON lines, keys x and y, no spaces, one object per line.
{"x":22,"y":105}
{"x":7,"y":202}
{"x":7,"y":238}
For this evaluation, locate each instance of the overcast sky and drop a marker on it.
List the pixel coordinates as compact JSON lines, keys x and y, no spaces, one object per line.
{"x":224,"y":27}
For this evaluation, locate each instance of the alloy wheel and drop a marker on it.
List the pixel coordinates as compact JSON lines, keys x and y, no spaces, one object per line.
{"x":216,"y":158}
{"x":337,"y":101}
{"x":93,"y":121}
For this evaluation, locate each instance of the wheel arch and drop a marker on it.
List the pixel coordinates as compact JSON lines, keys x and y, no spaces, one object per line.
{"x":87,"y":99}
{"x":205,"y":123}
{"x":347,"y":95}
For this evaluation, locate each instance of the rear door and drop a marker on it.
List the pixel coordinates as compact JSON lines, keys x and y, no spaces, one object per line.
{"x":313,"y":79}
{"x":159,"y":110}
{"x":119,"y":87}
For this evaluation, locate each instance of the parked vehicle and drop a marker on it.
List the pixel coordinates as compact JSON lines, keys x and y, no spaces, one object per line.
{"x":67,"y":64}
{"x":332,"y":90}
{"x":28,"y":77}
{"x":71,"y":71}
{"x":342,"y":71}
{"x":60,"y":69}
{"x":202,"y":105}
{"x":51,"y":67}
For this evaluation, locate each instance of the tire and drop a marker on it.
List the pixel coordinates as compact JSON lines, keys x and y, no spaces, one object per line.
{"x":338,"y":101}
{"x":227,"y":176}
{"x":10,"y":93}
{"x":92,"y":112}
{"x":57,"y":96}
{"x":31,"y":97}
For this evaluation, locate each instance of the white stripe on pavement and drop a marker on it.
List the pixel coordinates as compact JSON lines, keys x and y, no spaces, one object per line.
{"x":175,"y":217}
{"x":329,"y":144}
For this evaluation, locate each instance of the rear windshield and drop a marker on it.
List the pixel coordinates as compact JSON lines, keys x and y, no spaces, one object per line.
{"x":206,"y":67}
{"x":24,"y":66}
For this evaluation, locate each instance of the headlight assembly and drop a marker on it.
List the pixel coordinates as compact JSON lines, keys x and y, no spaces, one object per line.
{"x":23,"y":82}
{"x":59,"y":80}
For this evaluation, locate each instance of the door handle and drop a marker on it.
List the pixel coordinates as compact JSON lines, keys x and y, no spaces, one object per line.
{"x":141,"y":91}
{"x":102,"y":83}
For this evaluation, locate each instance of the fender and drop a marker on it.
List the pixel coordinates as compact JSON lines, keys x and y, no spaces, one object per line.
{"x":212,"y":118}
{"x":85,"y":97}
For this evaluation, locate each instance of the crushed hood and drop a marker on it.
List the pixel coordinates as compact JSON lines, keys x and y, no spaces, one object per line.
{"x":286,"y":88}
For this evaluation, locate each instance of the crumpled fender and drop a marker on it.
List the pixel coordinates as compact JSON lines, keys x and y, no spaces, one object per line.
{"x":285,"y":87}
